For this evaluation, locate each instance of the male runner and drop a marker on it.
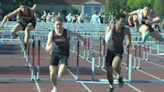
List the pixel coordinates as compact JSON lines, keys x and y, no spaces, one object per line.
{"x":59,"y":37}
{"x":114,"y":36}
{"x":145,"y":18}
{"x":26,"y":22}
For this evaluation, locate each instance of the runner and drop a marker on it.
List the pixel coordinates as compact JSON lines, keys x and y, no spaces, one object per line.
{"x":26,"y":22}
{"x":145,"y":17}
{"x":114,"y":36}
{"x":59,"y":37}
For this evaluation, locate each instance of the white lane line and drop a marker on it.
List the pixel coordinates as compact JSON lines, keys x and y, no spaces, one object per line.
{"x":80,"y":82}
{"x":36,"y":83}
{"x":114,"y":76}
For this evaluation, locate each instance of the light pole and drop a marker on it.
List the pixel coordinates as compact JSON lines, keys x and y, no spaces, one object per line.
{"x":14,"y":1}
{"x":52,"y":6}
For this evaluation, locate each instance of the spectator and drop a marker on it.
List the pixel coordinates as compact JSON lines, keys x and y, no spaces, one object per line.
{"x":44,"y":16}
{"x":95,"y":19}
{"x":68,"y":17}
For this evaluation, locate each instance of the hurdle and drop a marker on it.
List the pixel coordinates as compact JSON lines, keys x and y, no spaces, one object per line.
{"x":61,"y":79}
{"x":140,"y":81}
{"x":26,"y":58}
{"x":145,"y":58}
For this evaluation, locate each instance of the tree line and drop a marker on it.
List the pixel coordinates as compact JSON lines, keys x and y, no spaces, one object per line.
{"x":116,"y":6}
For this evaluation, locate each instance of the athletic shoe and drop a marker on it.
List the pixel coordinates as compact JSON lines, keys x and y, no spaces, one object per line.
{"x":54,"y":90}
{"x":110,"y":89}
{"x":120,"y":80}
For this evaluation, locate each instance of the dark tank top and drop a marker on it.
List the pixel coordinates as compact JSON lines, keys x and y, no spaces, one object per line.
{"x":116,"y":45}
{"x":26,"y":18}
{"x":61,"y":43}
{"x":143,"y":20}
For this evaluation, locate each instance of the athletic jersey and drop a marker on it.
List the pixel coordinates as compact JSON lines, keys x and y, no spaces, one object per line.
{"x":116,"y":45}
{"x":142,"y":19}
{"x":61,"y":43}
{"x":26,"y":18}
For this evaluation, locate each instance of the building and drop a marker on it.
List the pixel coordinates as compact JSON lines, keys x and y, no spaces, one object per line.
{"x":61,"y":6}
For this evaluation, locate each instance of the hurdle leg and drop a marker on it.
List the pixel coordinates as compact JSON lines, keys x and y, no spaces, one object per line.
{"x":91,"y":42}
{"x":144,"y":55}
{"x":139,"y":63}
{"x":102,"y":49}
{"x":125,"y":50}
{"x":99,"y":62}
{"x":32,"y":72}
{"x":134,"y":62}
{"x":147,"y":58}
{"x":93,"y":66}
{"x":84,"y":54}
{"x":158,"y":49}
{"x":130,"y":68}
{"x":74,"y":48}
{"x":38,"y":72}
{"x":87,"y":54}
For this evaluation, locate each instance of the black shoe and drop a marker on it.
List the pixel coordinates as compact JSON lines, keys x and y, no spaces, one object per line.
{"x":120,"y":80}
{"x":12,"y":37}
{"x":24,"y":46}
{"x":110,"y":89}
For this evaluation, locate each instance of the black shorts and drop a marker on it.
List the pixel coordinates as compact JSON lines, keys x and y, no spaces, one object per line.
{"x":24,"y":24}
{"x":55,"y":58}
{"x":110,"y":56}
{"x":150,"y":28}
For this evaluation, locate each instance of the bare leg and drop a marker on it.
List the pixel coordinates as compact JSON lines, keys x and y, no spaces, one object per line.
{"x":15,"y":29}
{"x":109,"y":70}
{"x":156,"y":35}
{"x":143,"y":29}
{"x":27,"y":33}
{"x":116,"y":64}
{"x":62,"y":70}
{"x":53,"y":70}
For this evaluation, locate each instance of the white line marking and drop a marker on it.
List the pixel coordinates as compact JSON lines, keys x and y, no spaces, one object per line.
{"x":114,"y":76}
{"x":80,"y":82}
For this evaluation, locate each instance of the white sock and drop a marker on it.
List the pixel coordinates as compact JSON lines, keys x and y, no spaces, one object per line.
{"x":112,"y":86}
{"x":59,"y":75}
{"x":119,"y":75}
{"x":55,"y":87}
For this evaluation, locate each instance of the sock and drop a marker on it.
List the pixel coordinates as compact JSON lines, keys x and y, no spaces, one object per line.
{"x":55,"y":87}
{"x":146,"y":35}
{"x":112,"y":86}
{"x":119,"y":75}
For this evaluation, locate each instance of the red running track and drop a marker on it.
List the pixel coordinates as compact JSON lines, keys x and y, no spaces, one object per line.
{"x":43,"y":86}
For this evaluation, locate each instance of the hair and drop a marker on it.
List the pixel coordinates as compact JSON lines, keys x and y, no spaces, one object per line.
{"x":120,"y":15}
{"x":23,"y":3}
{"x":147,"y":5}
{"x":57,"y":19}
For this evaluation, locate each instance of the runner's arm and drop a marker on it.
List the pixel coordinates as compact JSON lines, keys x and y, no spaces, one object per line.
{"x":15,"y":12}
{"x":157,"y":18}
{"x":128,"y":35}
{"x":70,"y":33}
{"x":49,"y":42}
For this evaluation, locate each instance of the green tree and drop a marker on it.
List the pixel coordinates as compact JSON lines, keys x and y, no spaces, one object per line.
{"x":159,"y":6}
{"x":106,"y":7}
{"x":135,"y":4}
